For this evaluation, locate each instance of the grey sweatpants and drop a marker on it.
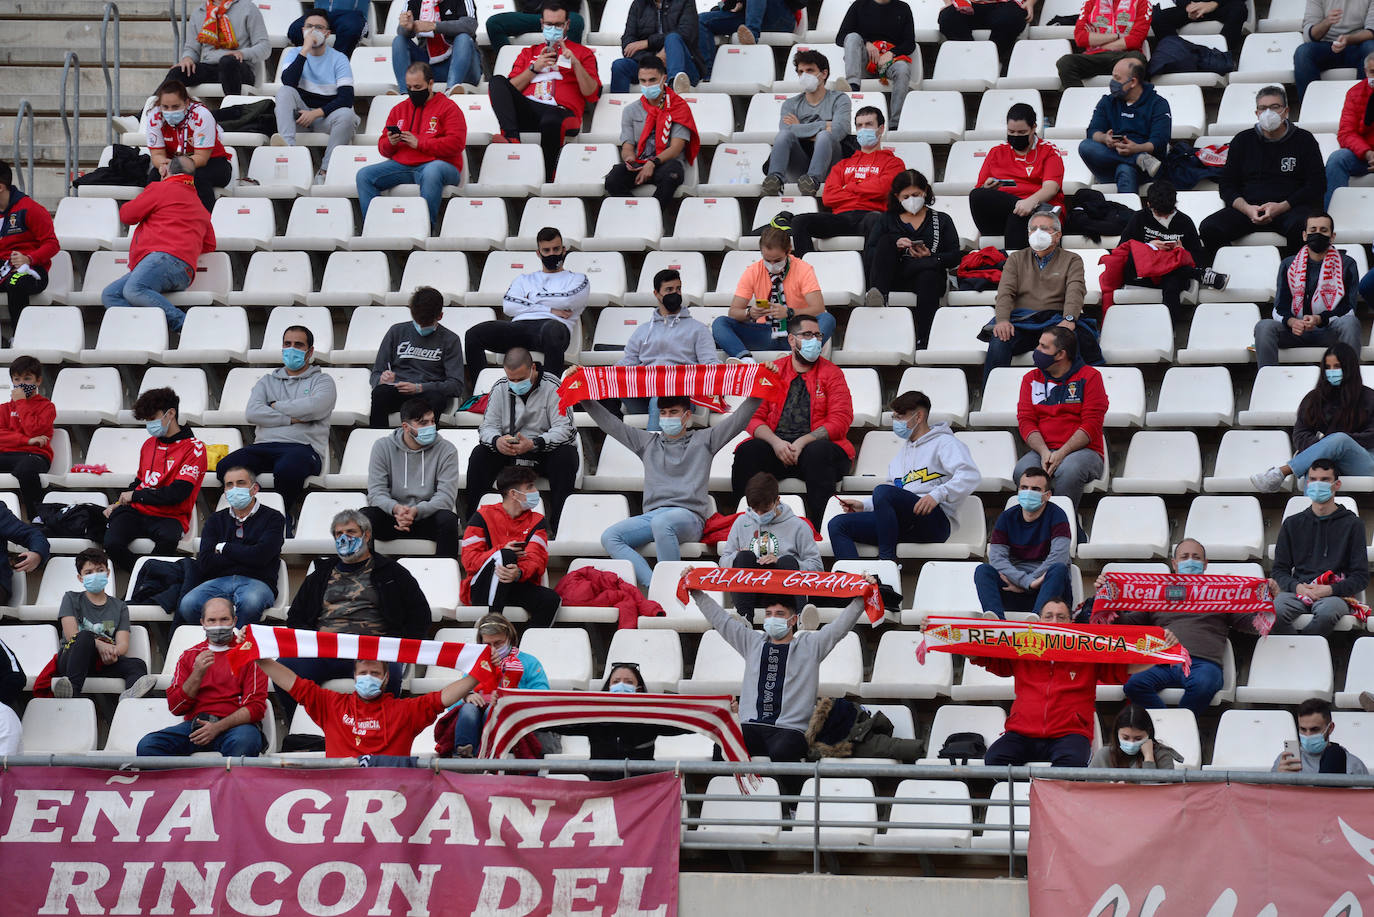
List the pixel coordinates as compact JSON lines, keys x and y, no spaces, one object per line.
{"x":1326,"y":614}
{"x":856,"y":68}
{"x":1077,"y":471}
{"x":340,"y":123}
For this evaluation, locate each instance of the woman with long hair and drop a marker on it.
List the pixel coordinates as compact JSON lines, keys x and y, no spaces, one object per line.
{"x":1133,"y":744}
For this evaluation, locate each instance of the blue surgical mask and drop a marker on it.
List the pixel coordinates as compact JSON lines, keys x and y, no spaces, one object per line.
{"x":1319,"y":491}
{"x":552,"y":34}
{"x":522,"y":387}
{"x":1313,"y":745}
{"x":1128,"y":748}
{"x":900,"y":428}
{"x":1030,"y":500}
{"x":238,"y":497}
{"x":811,"y":349}
{"x":368,"y":687}
{"x":622,"y":687}
{"x":174,"y":117}
{"x":652,"y":92}
{"x":763,"y":518}
{"x":1334,"y":376}
{"x":347,"y":545}
{"x":425,"y":435}
{"x":867,"y":137}
{"x":292,"y":358}
{"x":1191,"y":566}
{"x":671,"y":426}
{"x":155,"y":427}
{"x":95,"y":582}
{"x":422,"y":331}
{"x":776,"y":628}
{"x":532,"y":499}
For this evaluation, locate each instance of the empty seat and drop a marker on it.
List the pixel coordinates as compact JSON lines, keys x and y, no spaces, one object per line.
{"x":134,"y":718}
{"x":136,"y":336}
{"x":88,"y":395}
{"x":1251,"y":739}
{"x":932,"y":116}
{"x":275,"y":279}
{"x":1267,"y":58}
{"x":741,"y":70}
{"x":87,"y":223}
{"x":393,"y":223}
{"x":876,"y":335}
{"x":977,"y":683}
{"x":318,"y":223}
{"x":581,"y":170}
{"x":50,"y":334}
{"x":1138,"y":333}
{"x":965,"y":66}
{"x":945,"y":825}
{"x":951,"y":402}
{"x":945,"y":587}
{"x":954,"y":337}
{"x":568,"y":214}
{"x":1194,"y":397}
{"x":1001,"y":828}
{"x":445,"y":271}
{"x":853,"y":791}
{"x":472,"y":224}
{"x":53,"y":726}
{"x":754,"y":813}
{"x":718,"y":669}
{"x":33,"y":645}
{"x":566,"y":653}
{"x":1161,"y":462}
{"x":1253,"y":272}
{"x":627,"y":224}
{"x":1231,"y":527}
{"x":1276,"y":394}
{"x":1032,"y":64}
{"x":681,"y":616}
{"x":1288,"y":670}
{"x":585,"y":518}
{"x":243,"y":224}
{"x":351,"y":279}
{"x":1221,"y":333}
{"x":281,"y":172}
{"x":1128,"y":528}
{"x":1243,"y":453}
{"x":706,"y":224}
{"x":1359,"y":673}
{"x":737,"y":170}
{"x":316,"y":318}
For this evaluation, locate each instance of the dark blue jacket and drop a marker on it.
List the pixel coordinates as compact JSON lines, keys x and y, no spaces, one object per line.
{"x":257,"y":554}
{"x":1149,"y":120}
{"x":14,"y":529}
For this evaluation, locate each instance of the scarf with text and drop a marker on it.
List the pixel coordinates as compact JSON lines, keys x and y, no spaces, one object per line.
{"x":658,"y":124}
{"x":1178,"y":593}
{"x":750,"y":380}
{"x":218,"y":32}
{"x":784,"y":582}
{"x":1330,"y":285}
{"x":1112,"y":16}
{"x":1039,"y":642}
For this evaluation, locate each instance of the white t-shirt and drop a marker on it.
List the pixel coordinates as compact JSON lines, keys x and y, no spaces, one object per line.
{"x":10,"y":731}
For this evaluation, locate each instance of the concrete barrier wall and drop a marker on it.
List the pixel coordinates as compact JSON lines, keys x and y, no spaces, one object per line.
{"x":731,"y":895}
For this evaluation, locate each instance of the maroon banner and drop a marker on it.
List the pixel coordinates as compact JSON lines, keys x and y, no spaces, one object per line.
{"x":253,"y":841}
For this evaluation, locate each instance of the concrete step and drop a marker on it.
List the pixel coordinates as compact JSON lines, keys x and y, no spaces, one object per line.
{"x":40,"y":86}
{"x":50,"y":143}
{"x":81,"y":9}
{"x":29,"y":42}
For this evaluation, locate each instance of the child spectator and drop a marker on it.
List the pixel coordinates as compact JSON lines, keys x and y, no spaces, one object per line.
{"x":26,"y":430}
{"x":95,"y":634}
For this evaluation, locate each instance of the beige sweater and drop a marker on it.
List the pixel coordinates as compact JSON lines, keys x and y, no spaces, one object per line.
{"x":1058,"y":287}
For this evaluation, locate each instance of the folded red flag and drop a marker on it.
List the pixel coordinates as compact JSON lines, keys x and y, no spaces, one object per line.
{"x":784,"y":582}
{"x":750,"y":380}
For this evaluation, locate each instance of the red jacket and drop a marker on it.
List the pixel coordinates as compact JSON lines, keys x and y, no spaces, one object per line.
{"x":162,"y":462}
{"x":221,"y":691}
{"x":439,"y":128}
{"x":1042,"y":163}
{"x":832,"y":406}
{"x":599,"y":588}
{"x":565,"y":89}
{"x":492,"y":528}
{"x":24,"y":419}
{"x":861,"y":181}
{"x":1053,"y":699}
{"x":26,"y":227}
{"x":1134,"y":12}
{"x":1059,"y":409}
{"x":170,"y":219}
{"x":1353,"y":134}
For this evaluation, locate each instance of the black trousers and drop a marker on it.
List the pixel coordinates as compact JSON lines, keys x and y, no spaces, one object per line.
{"x":549,"y":336}
{"x":993,"y":214}
{"x":126,"y":523}
{"x":515,"y":113}
{"x":820,"y":466}
{"x":229,"y":72}
{"x":667,"y":178}
{"x":540,"y":602}
{"x":79,"y":658}
{"x":1075,"y":68}
{"x":746,"y":602}
{"x":807,"y":227}
{"x":386,"y":400}
{"x":1006,"y":20}
{"x":441,"y":527}
{"x":214,"y":174}
{"x":890,"y":269}
{"x":1227,"y":225}
{"x":559,"y":465}
{"x":1232,"y":15}
{"x":19,"y":288}
{"x":26,"y":467}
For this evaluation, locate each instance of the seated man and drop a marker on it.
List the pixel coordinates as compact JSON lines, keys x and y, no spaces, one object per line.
{"x":423,"y":145}
{"x":289,"y":409}
{"x":449,"y":37}
{"x":523,"y":427}
{"x":671,"y":338}
{"x":666,"y":30}
{"x":1336,"y":34}
{"x":27,"y":246}
{"x":316,"y":93}
{"x":807,"y":435}
{"x":1128,"y":136}
{"x":1314,"y":305}
{"x":746,"y":19}
{"x":232,"y":37}
{"x":1107,"y":33}
{"x":417,"y":359}
{"x":95,"y":634}
{"x":1060,"y":415}
{"x":772,"y":293}
{"x":240,"y":552}
{"x":1006,"y":19}
{"x":811,"y":128}
{"x":543,"y":306}
{"x":1317,"y":754}
{"x":171,"y":465}
{"x":1016,"y":179}
{"x":502,"y":27}
{"x":1028,"y":552}
{"x":1320,"y":558}
{"x":412,"y":482}
{"x":659,"y":113}
{"x":1355,"y":134}
{"x":506,"y":551}
{"x":857,"y":188}
{"x":16,"y":531}
{"x":347,"y":20}
{"x":26,"y":432}
{"x":879,"y":37}
{"x":932,"y":474}
{"x":768,"y":536}
{"x":221,"y":710}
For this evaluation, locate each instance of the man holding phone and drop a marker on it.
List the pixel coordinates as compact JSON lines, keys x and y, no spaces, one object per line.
{"x":1128,"y":135}
{"x":507,"y":545}
{"x":1313,"y":752}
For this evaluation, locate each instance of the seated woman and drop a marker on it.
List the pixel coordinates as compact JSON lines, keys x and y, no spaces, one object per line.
{"x":514,"y":669}
{"x":1335,"y":421}
{"x":1133,"y":744}
{"x":179,"y":125}
{"x":1017,"y":178}
{"x":912,"y":249}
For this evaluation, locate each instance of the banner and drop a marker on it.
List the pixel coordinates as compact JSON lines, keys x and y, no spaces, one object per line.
{"x":1049,"y":642}
{"x":1200,"y":850}
{"x":784,"y":582}
{"x":1177,"y":593}
{"x":751,"y":380}
{"x":254,"y":841}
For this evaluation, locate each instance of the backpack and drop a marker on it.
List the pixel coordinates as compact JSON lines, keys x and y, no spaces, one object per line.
{"x":1178,"y":55}
{"x":73,"y":520}
{"x":252,"y":117}
{"x":963,"y":747}
{"x":126,"y":167}
{"x":1092,"y":215}
{"x":1185,"y":166}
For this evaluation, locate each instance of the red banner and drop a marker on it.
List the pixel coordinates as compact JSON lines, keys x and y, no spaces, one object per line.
{"x":1121,"y":850}
{"x":784,"y":582}
{"x":752,"y":380}
{"x":254,"y":841}
{"x":1172,"y":593}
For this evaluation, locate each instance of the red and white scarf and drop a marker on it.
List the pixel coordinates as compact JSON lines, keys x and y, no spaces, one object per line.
{"x":218,"y":31}
{"x":437,"y":46}
{"x":784,"y":582}
{"x":1112,"y":16}
{"x":659,"y":121}
{"x":1330,"y":285}
{"x":1118,"y":645}
{"x":1178,"y":593}
{"x":750,"y":380}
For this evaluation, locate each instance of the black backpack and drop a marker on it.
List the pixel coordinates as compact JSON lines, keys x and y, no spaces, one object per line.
{"x":963,"y":747}
{"x":1092,"y":215}
{"x":74,"y":520}
{"x":253,"y":117}
{"x":127,"y":166}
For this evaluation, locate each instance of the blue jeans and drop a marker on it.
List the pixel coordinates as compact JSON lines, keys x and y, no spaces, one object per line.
{"x":1342,"y":165}
{"x":1350,"y":457}
{"x":738,"y":338}
{"x":143,"y":286}
{"x":1367,"y":288}
{"x":467,"y":726}
{"x":1312,"y":57}
{"x":759,"y":15}
{"x":464,"y":62}
{"x":1107,"y":164}
{"x":994,"y":596}
{"x":175,"y":742}
{"x":625,"y":71}
{"x":1204,"y":680}
{"x":431,"y":177}
{"x":251,"y":597}
{"x":667,"y":527}
{"x":891,"y":520}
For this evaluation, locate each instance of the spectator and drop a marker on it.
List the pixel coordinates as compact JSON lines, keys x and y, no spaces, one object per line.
{"x":1041,"y":287}
{"x":1232,"y":14}
{"x":621,"y":741}
{"x":677,"y":470}
{"x":660,"y":114}
{"x":347,"y":20}
{"x":672,"y":337}
{"x":289,"y":409}
{"x":514,"y":669}
{"x":11,"y":687}
{"x":932,"y":474}
{"x":1273,"y":178}
{"x":26,"y":433}
{"x":506,"y":551}
{"x":811,"y":129}
{"x":911,"y":248}
{"x":1129,"y":126}
{"x":230,"y":41}
{"x":767,"y":536}
{"x":524,"y":427}
{"x":1017,"y":178}
{"x":171,"y":465}
{"x":1335,"y":421}
{"x":412,"y":482}
{"x":417,"y":359}
{"x":1133,"y":745}
{"x":746,"y":19}
{"x":504,"y":26}
{"x":667,"y":31}
{"x":220,"y":710}
{"x":173,"y":232}
{"x":178,"y":126}
{"x":1317,"y":754}
{"x":544,"y":307}
{"x":806,"y":435}
{"x":1109,"y":32}
{"x":1320,"y":558}
{"x":16,"y":531}
{"x":423,"y":143}
{"x":772,"y":293}
{"x":1060,"y":415}
{"x":1005,"y":18}
{"x":434,"y":31}
{"x":879,"y":37}
{"x":1315,"y":300}
{"x":95,"y":634}
{"x":548,"y":88}
{"x":316,"y":93}
{"x":1028,"y":553}
{"x":1355,"y":134}
{"x":240,"y":553}
{"x":857,"y":188}
{"x":1336,"y":33}
{"x":27,"y":246}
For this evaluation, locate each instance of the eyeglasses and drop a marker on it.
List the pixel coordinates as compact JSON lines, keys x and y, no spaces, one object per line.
{"x":1276,"y":107}
{"x":809,"y":335}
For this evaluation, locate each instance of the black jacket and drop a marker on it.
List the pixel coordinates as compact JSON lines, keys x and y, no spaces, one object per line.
{"x":650,"y":22}
{"x":12,"y":677}
{"x":1264,"y":171}
{"x":404,"y":607}
{"x":889,"y":22}
{"x":256,"y":554}
{"x":14,"y":529}
{"x":1305,"y":435}
{"x":1309,"y":545}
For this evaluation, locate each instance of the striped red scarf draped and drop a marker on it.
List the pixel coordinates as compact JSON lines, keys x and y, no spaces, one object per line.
{"x":1330,"y":285}
{"x":751,"y":380}
{"x":784,"y":582}
{"x":437,"y":46}
{"x":1118,"y":645}
{"x":1113,"y":16}
{"x":659,"y":121}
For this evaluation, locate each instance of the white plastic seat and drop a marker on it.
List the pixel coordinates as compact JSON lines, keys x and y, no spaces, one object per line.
{"x":475,"y":224}
{"x":932,"y":116}
{"x":680,"y":616}
{"x":1220,"y":333}
{"x":481,"y":119}
{"x":1177,"y":728}
{"x":581,"y":170}
{"x":118,"y":450}
{"x":1032,"y":64}
{"x":1243,"y":453}
{"x":393,"y":223}
{"x":1160,"y":461}
{"x":1267,"y":58}
{"x":1231,"y":527}
{"x":954,"y":337}
{"x":955,"y":817}
{"x":737,"y":170}
{"x":945,"y":588}
{"x":88,"y":395}
{"x":1194,"y":397}
{"x":585,"y":518}
{"x":1253,"y":272}
{"x":50,"y":334}
{"x":876,"y":336}
{"x":987,"y":721}
{"x":437,"y":577}
{"x":842,"y":671}
{"x":312,"y":525}
{"x":627,"y":224}
{"x":1288,"y":670}
{"x":281,"y":172}
{"x":275,"y":279}
{"x":366,"y":326}
{"x":713,"y":113}
{"x":316,"y":318}
{"x":1138,"y":333}
{"x":865,"y":392}
{"x":978,"y":684}
{"x":352,"y":473}
{"x":835,"y":273}
{"x":705,"y":224}
{"x":690,"y":265}
{"x":1251,"y":740}
{"x":351,"y":279}
{"x":1350,"y":208}
{"x":718,"y":668}
{"x":965,"y":66}
{"x":1283,"y":16}
{"x":951,"y":405}
{"x":566,"y":213}
{"x":1276,"y":394}
{"x":1132,"y":528}
{"x":990,"y":124}
{"x":1001,"y":394}
{"x":962,"y":165}
{"x":657,"y":652}
{"x":1236,"y":111}
{"x":994,"y":454}
{"x":1185,"y":105}
{"x":318,"y":223}
{"x":372,"y":73}
{"x":211,"y":334}
{"x":34,"y":645}
{"x":87,"y":223}
{"x":744,"y":808}
{"x":741,"y":70}
{"x":1359,"y":673}
{"x":1321,"y":106}
{"x":803,"y":826}
{"x":55,"y":727}
{"x":128,"y":336}
{"x":134,"y":718}
{"x":243,"y":225}
{"x":211,"y":284}
{"x":998,"y":822}
{"x":445,"y":271}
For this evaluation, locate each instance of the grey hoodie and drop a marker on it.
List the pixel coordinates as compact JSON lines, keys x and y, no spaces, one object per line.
{"x":670,"y":340}
{"x":536,"y":415}
{"x":795,"y":537}
{"x":425,"y":478}
{"x":308,"y":397}
{"x":249,"y":30}
{"x":434,"y":360}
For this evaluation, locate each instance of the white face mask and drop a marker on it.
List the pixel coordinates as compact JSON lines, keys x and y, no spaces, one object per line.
{"x":1041,"y":240}
{"x":914,"y":203}
{"x":775,"y":267}
{"x":809,"y":82}
{"x":1270,"y":121}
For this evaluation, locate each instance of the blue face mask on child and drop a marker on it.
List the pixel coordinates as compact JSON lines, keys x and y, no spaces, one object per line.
{"x":422,"y":330}
{"x":95,"y":582}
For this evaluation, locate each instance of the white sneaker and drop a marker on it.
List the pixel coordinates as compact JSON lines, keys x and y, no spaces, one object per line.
{"x":319,"y":177}
{"x":1268,"y":482}
{"x":747,"y":358}
{"x":139,"y":688}
{"x":810,"y":618}
{"x":682,"y":84}
{"x":873,"y":299}
{"x":279,"y":140}
{"x":1148,"y":164}
{"x":62,"y":687}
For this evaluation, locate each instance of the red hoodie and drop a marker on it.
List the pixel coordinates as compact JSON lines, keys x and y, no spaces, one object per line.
{"x":26,"y":227}
{"x":165,"y":461}
{"x":1353,"y":134}
{"x":564,"y":85}
{"x":861,"y":181}
{"x":439,"y":128}
{"x":832,"y":406}
{"x":1053,"y":699}
{"x":1059,"y":409}
{"x":24,"y":418}
{"x":492,"y":528}
{"x":1128,"y":18}
{"x":170,"y":219}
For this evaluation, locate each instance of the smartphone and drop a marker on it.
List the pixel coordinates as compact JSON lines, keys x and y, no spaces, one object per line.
{"x":392,"y":129}
{"x":1006,"y":183}
{"x":1291,"y":747}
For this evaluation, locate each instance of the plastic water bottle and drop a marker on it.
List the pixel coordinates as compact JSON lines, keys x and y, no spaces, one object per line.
{"x":741,"y":172}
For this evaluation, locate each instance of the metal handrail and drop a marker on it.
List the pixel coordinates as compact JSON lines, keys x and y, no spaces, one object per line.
{"x":24,"y":117}
{"x":179,"y":25}
{"x":111,"y":86}
{"x":72,"y":157}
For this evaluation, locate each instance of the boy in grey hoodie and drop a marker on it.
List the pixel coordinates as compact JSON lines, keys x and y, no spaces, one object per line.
{"x":412,"y":482}
{"x":768,"y":536}
{"x":671,"y":338}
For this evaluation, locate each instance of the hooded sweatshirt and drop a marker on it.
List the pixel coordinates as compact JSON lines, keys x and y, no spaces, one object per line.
{"x":170,"y":219}
{"x":862,"y":181}
{"x":534,"y":414}
{"x":1263,"y":171}
{"x":24,"y":418}
{"x":1058,"y":408}
{"x":794,"y":537}
{"x":249,"y":32}
{"x":425,"y":478}
{"x":439,"y":129}
{"x":670,"y":340}
{"x":1146,"y":120}
{"x":937,"y":464}
{"x":434,"y":360}
{"x":26,"y":227}
{"x":1309,"y":545}
{"x":278,"y":397}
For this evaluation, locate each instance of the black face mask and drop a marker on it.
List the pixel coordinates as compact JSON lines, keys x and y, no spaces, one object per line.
{"x":1019,"y":143}
{"x":672,"y":302}
{"x":418,"y":97}
{"x":551,"y":262}
{"x":1318,"y":242}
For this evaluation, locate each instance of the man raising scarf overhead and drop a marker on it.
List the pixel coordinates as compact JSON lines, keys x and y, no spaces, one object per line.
{"x":1315,"y":302}
{"x":656,"y":134}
